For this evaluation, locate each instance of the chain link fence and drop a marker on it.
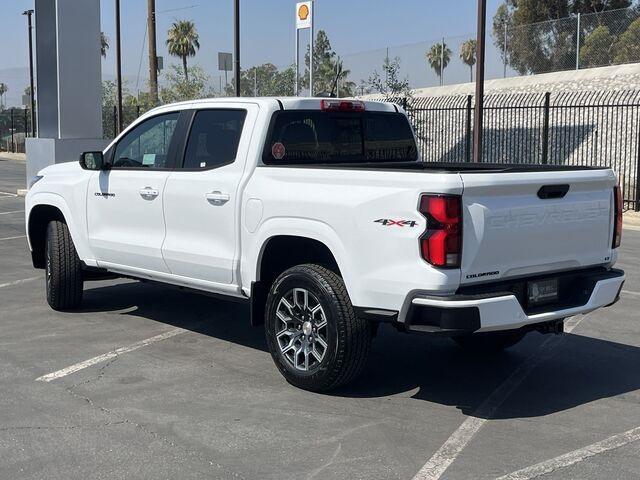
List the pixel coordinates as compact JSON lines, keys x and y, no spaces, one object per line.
{"x":576,"y":42}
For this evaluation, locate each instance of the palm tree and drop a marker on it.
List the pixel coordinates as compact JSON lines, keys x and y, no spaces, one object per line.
{"x":468,"y":54}
{"x":104,"y":44}
{"x":438,"y":57}
{"x":182,"y":41}
{"x":3,"y":90}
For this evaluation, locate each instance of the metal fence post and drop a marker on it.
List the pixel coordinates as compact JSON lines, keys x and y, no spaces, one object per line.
{"x":545,"y":128}
{"x":504,"y":62}
{"x":25,"y":124}
{"x":13,"y":143}
{"x":578,"y":44}
{"x":637,"y":205}
{"x":468,"y":128}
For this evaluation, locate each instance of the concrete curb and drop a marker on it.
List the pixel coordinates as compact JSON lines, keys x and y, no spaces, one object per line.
{"x":19,"y":157}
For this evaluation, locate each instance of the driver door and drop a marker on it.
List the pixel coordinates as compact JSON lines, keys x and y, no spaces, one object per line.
{"x":125,"y":217}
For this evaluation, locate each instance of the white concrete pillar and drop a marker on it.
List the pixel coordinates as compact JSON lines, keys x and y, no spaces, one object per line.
{"x":68,"y":91}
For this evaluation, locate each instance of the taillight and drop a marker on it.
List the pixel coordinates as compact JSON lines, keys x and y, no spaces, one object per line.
{"x":617,"y":208}
{"x":342,"y":105}
{"x":441,"y":243}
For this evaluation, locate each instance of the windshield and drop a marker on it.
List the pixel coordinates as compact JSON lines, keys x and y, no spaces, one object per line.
{"x":307,"y":137}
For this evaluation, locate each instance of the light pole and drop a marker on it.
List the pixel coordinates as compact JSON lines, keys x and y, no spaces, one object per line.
{"x":477,"y":114}
{"x":120,"y":122}
{"x":153,"y":56}
{"x":29,"y":14}
{"x":236,"y":45}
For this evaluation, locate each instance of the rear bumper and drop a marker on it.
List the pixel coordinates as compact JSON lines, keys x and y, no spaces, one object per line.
{"x":503,"y":310}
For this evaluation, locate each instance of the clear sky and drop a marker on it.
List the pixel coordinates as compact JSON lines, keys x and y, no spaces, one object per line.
{"x":267,"y":31}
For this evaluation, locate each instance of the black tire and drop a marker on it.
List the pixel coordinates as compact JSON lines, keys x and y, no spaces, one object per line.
{"x":490,"y":342}
{"x":348,"y":338}
{"x":63,"y":269}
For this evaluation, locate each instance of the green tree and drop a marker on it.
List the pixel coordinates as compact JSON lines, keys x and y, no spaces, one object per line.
{"x":627,"y":49}
{"x":185,"y":85}
{"x":468,"y":55}
{"x":326,"y":66}
{"x":183,"y":41}
{"x":270,"y":81}
{"x":390,"y":84}
{"x":104,"y":44}
{"x":597,"y":49}
{"x":438,"y":57}
{"x":546,"y":46}
{"x":3,"y":90}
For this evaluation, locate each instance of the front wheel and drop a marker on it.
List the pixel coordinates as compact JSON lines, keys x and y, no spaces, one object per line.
{"x":314,"y":336}
{"x":64,"y":280}
{"x":489,"y":342}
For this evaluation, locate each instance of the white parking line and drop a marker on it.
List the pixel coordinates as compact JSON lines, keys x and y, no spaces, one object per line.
{"x":9,"y":213}
{"x":13,"y":238}
{"x":18,"y":282}
{"x":109,"y":355}
{"x":8,"y":194}
{"x":445,"y":456}
{"x":574,"y":457}
{"x":627,"y":292}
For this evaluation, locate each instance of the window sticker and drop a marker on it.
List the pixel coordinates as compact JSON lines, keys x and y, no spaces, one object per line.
{"x":278,"y":151}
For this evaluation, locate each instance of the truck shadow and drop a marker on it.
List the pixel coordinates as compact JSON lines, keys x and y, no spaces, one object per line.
{"x":571,"y":370}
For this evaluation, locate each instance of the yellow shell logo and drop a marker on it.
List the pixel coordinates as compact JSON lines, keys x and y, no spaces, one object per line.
{"x":303,"y":12}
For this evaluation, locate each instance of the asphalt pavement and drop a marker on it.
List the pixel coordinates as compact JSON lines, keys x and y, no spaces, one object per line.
{"x":151,"y":382}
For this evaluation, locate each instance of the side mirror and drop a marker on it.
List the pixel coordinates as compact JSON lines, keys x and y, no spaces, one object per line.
{"x":92,"y":161}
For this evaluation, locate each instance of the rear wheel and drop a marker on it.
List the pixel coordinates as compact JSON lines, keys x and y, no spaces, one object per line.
{"x":64,"y":281}
{"x":489,"y":342}
{"x":315,"y":338}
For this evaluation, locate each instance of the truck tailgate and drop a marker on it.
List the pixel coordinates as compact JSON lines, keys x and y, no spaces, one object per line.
{"x":521,"y":223}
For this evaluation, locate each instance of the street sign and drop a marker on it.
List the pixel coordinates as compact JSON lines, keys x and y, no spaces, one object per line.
{"x":26,"y":100}
{"x":304,"y":15}
{"x":225,"y":61}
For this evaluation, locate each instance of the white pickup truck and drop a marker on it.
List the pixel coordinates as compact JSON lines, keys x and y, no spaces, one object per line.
{"x":320,"y":213}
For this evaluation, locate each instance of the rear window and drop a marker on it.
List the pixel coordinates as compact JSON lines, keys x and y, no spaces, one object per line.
{"x":300,"y":137}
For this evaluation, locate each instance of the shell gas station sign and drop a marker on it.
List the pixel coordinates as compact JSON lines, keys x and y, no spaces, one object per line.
{"x":304,"y":15}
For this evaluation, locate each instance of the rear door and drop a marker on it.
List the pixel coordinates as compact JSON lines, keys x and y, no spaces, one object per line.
{"x":525,"y":223}
{"x":202,"y":196}
{"x":124,"y":204}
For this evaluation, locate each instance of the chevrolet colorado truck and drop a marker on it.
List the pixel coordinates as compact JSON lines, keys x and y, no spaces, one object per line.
{"x":321,"y":214}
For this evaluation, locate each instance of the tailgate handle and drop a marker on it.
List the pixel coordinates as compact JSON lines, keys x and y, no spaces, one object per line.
{"x":553,"y":191}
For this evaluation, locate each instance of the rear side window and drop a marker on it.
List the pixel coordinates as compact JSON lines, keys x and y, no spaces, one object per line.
{"x":307,"y":137}
{"x":214,"y":138}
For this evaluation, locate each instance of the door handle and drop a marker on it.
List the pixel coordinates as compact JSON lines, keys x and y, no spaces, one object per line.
{"x":149,"y":193}
{"x":217,"y":197}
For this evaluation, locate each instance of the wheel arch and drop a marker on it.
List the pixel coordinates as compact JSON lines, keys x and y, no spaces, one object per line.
{"x":280,"y":251}
{"x":44,"y":208}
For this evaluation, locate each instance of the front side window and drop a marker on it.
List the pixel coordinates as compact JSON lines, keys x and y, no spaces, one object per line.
{"x":214,"y":138}
{"x":300,"y":137}
{"x":147,"y":145}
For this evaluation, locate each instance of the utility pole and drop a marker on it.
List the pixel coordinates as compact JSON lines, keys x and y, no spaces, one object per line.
{"x":120,"y":121}
{"x":477,"y":114}
{"x":153,"y":54}
{"x":236,"y":45}
{"x":29,"y":14}
{"x":442,"y":62}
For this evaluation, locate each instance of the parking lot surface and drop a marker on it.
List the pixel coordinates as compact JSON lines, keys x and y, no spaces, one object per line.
{"x":147,"y":381}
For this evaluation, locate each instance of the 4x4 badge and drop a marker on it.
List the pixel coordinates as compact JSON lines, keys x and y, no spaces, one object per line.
{"x":398,"y":223}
